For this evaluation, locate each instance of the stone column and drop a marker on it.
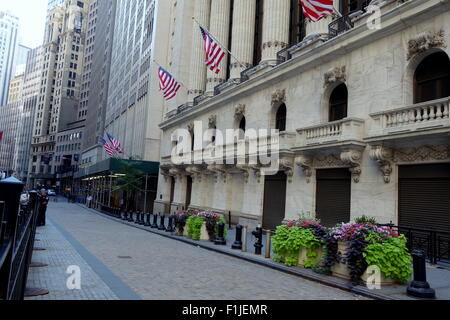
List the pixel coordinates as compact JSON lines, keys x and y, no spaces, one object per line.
{"x":321,"y":26}
{"x":243,"y":38}
{"x":219,"y":29}
{"x":275,"y":29}
{"x":197,"y":75}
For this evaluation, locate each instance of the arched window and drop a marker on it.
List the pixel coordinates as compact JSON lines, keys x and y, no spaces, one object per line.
{"x":242,"y":127}
{"x":281,"y":118}
{"x":338,"y":103}
{"x":432,"y":78}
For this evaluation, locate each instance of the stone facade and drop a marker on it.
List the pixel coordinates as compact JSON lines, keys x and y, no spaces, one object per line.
{"x":377,"y":66}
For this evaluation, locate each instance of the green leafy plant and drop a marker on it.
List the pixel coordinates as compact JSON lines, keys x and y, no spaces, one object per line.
{"x":391,"y":256}
{"x":365,"y":219}
{"x":194,"y":226}
{"x":289,"y":240}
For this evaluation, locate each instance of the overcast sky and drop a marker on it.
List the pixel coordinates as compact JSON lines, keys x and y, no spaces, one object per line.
{"x":32,"y":14}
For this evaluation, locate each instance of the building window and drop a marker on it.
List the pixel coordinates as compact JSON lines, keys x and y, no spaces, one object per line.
{"x":338,"y":103}
{"x":432,"y":78}
{"x":242,"y":128}
{"x":349,"y":6}
{"x":281,"y":118}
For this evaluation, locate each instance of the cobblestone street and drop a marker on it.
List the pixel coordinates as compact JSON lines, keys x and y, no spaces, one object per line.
{"x":117,"y":261}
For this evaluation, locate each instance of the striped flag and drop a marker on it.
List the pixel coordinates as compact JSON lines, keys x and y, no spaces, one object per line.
{"x":317,"y":9}
{"x":168,"y":84}
{"x":115,"y":143}
{"x":214,"y":52}
{"x":1,"y":136}
{"x":109,"y":150}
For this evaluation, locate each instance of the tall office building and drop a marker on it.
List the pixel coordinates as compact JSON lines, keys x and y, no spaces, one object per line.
{"x":20,"y":60}
{"x":95,"y":77}
{"x":9,"y":28}
{"x":134,"y":103}
{"x":54,"y":3}
{"x":56,"y":128}
{"x":30,"y":93}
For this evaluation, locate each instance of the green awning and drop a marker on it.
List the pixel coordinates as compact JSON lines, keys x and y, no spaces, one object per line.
{"x":114,"y":166}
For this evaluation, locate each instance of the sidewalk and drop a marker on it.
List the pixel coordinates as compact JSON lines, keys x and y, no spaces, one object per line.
{"x":438,"y":277}
{"x":62,"y":252}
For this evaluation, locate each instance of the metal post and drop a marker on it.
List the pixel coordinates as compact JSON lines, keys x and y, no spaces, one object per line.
{"x":220,"y":241}
{"x":110,"y":189}
{"x":419,"y":287}
{"x":258,"y":240}
{"x":268,"y":243}
{"x":244,"y":239}
{"x":145,"y":193}
{"x":162,"y":222}
{"x":237,"y":245}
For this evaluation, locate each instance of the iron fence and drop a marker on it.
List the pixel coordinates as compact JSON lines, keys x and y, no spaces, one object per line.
{"x":435,"y":243}
{"x":339,"y":26}
{"x":17,"y":235}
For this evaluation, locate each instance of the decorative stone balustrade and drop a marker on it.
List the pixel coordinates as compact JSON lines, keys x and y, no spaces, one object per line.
{"x":337,"y":132}
{"x":423,"y":116}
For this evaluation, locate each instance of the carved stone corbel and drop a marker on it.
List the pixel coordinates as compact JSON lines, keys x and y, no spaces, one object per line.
{"x":257,"y":171}
{"x":212,"y":121}
{"x":190,"y":127}
{"x":219,"y":170}
{"x":278,"y":97}
{"x":353,"y":159}
{"x":335,"y":75}
{"x":287,"y":165}
{"x":383,"y":156}
{"x":424,"y":42}
{"x":306,"y":163}
{"x":195,"y":173}
{"x":239,"y":111}
{"x":245,"y":170}
{"x":176,"y":173}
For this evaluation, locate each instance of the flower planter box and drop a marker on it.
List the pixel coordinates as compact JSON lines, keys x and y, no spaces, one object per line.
{"x":303,"y":256}
{"x":341,"y":270}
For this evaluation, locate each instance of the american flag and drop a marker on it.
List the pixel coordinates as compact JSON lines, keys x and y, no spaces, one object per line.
{"x":214,"y":52}
{"x":168,"y":84}
{"x":115,"y":143}
{"x":109,"y":150}
{"x":317,"y":9}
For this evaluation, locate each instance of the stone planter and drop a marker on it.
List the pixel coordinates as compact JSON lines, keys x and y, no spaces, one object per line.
{"x":340,"y":269}
{"x":303,"y":255}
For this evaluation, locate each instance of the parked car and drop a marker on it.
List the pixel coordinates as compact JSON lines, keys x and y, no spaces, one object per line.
{"x":51,"y":193}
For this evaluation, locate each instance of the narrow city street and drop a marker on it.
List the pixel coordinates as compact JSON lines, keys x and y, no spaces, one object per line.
{"x":121,"y":262}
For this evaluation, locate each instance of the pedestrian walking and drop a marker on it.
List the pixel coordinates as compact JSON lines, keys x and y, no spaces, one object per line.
{"x":43,"y":200}
{"x":88,"y":201}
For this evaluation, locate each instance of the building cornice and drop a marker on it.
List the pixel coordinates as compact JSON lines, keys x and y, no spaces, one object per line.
{"x":394,"y":20}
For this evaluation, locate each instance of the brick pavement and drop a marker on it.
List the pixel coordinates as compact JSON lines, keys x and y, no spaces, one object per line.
{"x":159,"y":268}
{"x":59,"y":255}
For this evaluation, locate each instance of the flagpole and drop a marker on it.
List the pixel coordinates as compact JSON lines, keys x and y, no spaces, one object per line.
{"x":242,"y":65}
{"x":177,"y":79}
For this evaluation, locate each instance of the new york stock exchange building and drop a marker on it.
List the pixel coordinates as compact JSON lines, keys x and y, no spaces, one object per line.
{"x":361,"y":101}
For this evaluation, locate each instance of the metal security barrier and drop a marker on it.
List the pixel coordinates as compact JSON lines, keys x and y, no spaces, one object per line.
{"x":17,"y":235}
{"x":435,"y":243}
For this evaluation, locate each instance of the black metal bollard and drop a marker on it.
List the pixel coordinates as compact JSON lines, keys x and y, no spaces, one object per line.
{"x":170,"y":227}
{"x":125,"y":216}
{"x":142,"y":220}
{"x":130,"y":216}
{"x":162,"y":227}
{"x":155,"y":222}
{"x":258,"y":233}
{"x":220,"y":241}
{"x":147,"y":221}
{"x":419,"y":287}
{"x":237,"y":245}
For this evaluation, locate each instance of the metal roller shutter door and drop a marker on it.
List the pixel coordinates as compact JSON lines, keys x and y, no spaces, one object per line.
{"x":424,"y":196}
{"x":333,"y":196}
